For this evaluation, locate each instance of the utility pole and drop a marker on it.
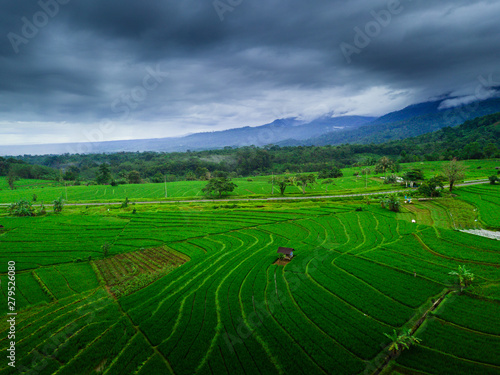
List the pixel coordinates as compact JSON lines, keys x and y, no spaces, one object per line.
{"x":272,"y":189}
{"x":166,"y":187}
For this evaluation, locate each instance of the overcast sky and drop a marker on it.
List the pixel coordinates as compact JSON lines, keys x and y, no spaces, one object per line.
{"x":80,"y":70}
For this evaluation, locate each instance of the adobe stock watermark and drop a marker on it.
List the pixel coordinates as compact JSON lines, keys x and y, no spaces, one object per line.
{"x":123,"y":105}
{"x":268,"y":135}
{"x":223,"y":6}
{"x":31,"y":27}
{"x":272,"y":133}
{"x":265,"y":309}
{"x":372,"y":29}
{"x":485,"y":89}
{"x":131,"y":100}
{"x":37,"y":360}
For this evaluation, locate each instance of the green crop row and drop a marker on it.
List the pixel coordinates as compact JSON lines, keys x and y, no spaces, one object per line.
{"x":461,"y":251}
{"x":361,"y":295}
{"x":154,"y":365}
{"x":429,"y":361}
{"x":102,"y":352}
{"x":349,"y":327}
{"x":134,"y":354}
{"x":401,"y":286}
{"x":473,"y":313}
{"x":450,"y":339}
{"x":487,"y":199}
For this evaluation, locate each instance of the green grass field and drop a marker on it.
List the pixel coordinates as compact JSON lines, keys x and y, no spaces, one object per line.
{"x":181,"y":190}
{"x":476,"y":169}
{"x":259,"y":186}
{"x":229,"y":309}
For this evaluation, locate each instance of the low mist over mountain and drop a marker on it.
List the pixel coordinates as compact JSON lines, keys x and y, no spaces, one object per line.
{"x":411,"y":121}
{"x":274,"y":132}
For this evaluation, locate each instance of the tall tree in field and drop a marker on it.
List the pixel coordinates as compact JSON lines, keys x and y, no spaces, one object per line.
{"x":430,"y":188}
{"x":304,"y":180}
{"x":104,"y":174}
{"x":219,"y":185}
{"x":412,"y":176}
{"x":134,"y":177}
{"x":282,"y":183}
{"x":11,"y":178}
{"x":454,"y":171}
{"x":384,"y":164}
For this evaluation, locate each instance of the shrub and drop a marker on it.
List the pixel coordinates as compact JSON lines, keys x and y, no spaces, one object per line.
{"x":42,"y":210}
{"x":493,"y":179}
{"x":391,"y":201}
{"x":105,"y":249}
{"x":134,"y":177}
{"x":58,"y":205}
{"x":22,"y":208}
{"x":430,"y":188}
{"x":125,"y":203}
{"x":332,"y":173}
{"x":391,"y":179}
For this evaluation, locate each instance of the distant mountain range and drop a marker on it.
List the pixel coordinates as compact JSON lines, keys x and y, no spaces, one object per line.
{"x":278,"y":130}
{"x":409,"y":122}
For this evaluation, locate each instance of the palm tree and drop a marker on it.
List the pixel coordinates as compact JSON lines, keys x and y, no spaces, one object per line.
{"x":391,"y":201}
{"x":304,"y":180}
{"x":384,"y":164}
{"x":465,"y":277}
{"x":282,"y":186}
{"x":402,"y":341}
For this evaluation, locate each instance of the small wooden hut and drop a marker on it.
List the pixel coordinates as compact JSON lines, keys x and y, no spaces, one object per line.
{"x":288,"y":251}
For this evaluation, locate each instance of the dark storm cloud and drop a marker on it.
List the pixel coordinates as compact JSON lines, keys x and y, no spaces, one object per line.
{"x":167,"y":68}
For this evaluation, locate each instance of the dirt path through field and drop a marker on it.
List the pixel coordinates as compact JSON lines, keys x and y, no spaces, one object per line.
{"x":417,"y":325}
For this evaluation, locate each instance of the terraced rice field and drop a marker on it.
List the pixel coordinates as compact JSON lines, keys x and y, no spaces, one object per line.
{"x":486,"y":198}
{"x":221,"y":306}
{"x":125,"y":273}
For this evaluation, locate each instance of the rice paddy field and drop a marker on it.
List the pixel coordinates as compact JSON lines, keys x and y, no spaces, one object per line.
{"x":191,"y":288}
{"x":486,"y":199}
{"x":476,"y":169}
{"x":181,"y":190}
{"x":253,"y":187}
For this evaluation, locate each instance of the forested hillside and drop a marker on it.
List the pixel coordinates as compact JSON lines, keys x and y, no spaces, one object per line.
{"x":410,"y":122}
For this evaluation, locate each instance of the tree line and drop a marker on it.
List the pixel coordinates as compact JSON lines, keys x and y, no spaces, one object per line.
{"x":475,"y":139}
